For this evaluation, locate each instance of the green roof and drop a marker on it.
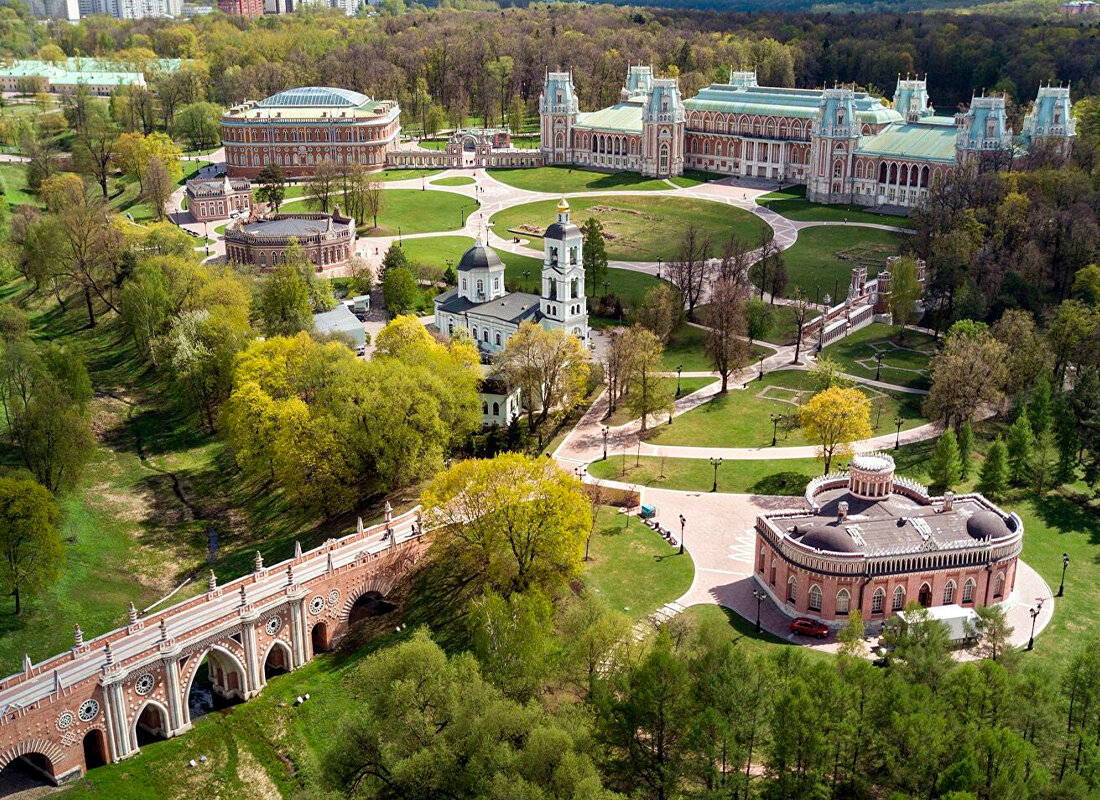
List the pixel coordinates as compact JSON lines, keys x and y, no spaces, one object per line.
{"x":315,"y":102}
{"x":85,"y":70}
{"x":768,"y":101}
{"x":919,"y":140}
{"x":621,"y":118}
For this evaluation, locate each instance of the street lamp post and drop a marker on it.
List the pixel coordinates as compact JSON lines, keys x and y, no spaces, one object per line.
{"x":758,"y":593}
{"x":606,"y":284}
{"x":1034,"y":613}
{"x":526,"y":273}
{"x":716,"y":463}
{"x":775,"y":425}
{"x":206,"y":236}
{"x":897,"y":424}
{"x":605,"y":443}
{"x":878,"y":365}
{"x":683,"y":522}
{"x":679,"y":369}
{"x":760,"y":377}
{"x":1062,"y":585}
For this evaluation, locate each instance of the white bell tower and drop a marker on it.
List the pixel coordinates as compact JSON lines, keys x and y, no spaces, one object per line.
{"x":563,"y":303}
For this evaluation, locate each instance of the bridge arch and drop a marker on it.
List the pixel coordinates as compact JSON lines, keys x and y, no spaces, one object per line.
{"x":226,"y":673}
{"x":152,"y":720}
{"x":278,"y":660}
{"x":40,"y":754}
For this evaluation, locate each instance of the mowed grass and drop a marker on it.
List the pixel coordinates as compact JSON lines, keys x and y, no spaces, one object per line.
{"x":410,"y":211}
{"x":638,"y":227}
{"x":792,"y":204}
{"x":435,"y":251}
{"x":904,"y":363}
{"x":822,"y":259}
{"x":686,"y":348}
{"x":726,"y":623}
{"x":784,"y":477}
{"x":13,"y":178}
{"x":623,"y":414}
{"x":565,"y":180}
{"x":456,"y":180}
{"x":742,"y":418}
{"x":632,"y":567}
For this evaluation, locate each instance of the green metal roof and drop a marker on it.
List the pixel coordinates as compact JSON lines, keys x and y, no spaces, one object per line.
{"x":620,"y":118}
{"x":911,"y":140}
{"x":85,"y":70}
{"x":779,"y":102}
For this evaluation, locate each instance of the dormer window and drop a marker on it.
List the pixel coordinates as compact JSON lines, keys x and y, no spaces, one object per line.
{"x":1057,"y":116}
{"x":463,"y":284}
{"x":991,"y":129}
{"x":840,"y":117}
{"x":559,"y":97}
{"x":664,"y":105}
{"x":480,"y":286}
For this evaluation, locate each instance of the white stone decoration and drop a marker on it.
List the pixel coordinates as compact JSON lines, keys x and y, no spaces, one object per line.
{"x":334,"y":597}
{"x":273,"y":625}
{"x":144,"y":684}
{"x":65,"y":720}
{"x":89,"y":710}
{"x":316,"y":605}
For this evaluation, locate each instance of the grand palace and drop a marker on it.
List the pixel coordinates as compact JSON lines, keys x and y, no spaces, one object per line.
{"x":842,"y":144}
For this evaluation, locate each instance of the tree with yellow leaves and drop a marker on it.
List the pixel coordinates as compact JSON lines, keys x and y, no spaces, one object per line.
{"x":548,"y":366}
{"x":134,"y":152}
{"x":835,"y":418}
{"x":509,"y":524}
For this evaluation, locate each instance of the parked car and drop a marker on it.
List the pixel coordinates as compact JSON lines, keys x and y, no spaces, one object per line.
{"x":807,"y":626}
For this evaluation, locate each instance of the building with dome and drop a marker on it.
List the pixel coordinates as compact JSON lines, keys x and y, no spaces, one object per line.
{"x":301,"y":128}
{"x":481,"y":305}
{"x":873,"y":541}
{"x":844,"y":145}
{"x":327,"y":240}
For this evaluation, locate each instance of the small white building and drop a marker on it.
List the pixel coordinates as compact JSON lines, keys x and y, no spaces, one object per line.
{"x":340,"y":320}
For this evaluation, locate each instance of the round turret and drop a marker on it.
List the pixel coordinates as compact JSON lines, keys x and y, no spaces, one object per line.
{"x":871,"y":476}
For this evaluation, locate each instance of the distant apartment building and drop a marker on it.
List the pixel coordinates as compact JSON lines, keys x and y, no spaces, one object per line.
{"x":132,"y":9}
{"x":242,"y":8}
{"x":56,"y":9}
{"x":1080,"y":7}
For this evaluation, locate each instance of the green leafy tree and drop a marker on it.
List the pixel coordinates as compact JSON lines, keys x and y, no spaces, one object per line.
{"x":393,"y":258}
{"x":851,"y":636}
{"x":905,"y":290}
{"x":514,"y":642}
{"x":1039,"y":407}
{"x":284,"y":306}
{"x":945,"y":468}
{"x":920,"y":646}
{"x":594,"y":253}
{"x":649,"y":391}
{"x":1020,"y":444}
{"x":993,"y":633}
{"x":549,"y":366}
{"x":399,"y":291}
{"x":199,"y":124}
{"x":30,"y":547}
{"x":993,"y":479}
{"x":272,"y":188}
{"x":966,"y":449}
{"x":1066,"y":437}
{"x":759,"y":319}
{"x":1043,"y":461}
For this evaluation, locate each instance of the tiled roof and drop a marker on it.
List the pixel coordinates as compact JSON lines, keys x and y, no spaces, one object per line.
{"x":620,"y":118}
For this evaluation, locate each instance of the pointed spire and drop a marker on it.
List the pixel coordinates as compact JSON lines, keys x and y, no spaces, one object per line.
{"x":358,"y":524}
{"x":27,"y":663}
{"x":211,"y":581}
{"x":389,"y":508}
{"x":329,"y":566}
{"x":244,"y":595}
{"x":163,"y":629}
{"x":133,"y":615}
{"x":56,"y":682}
{"x":259,"y":561}
{"x":108,"y":655}
{"x":78,"y":636}
{"x":289,"y":574}
{"x":297,"y":549}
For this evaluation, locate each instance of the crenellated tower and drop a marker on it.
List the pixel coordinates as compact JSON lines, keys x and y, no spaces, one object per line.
{"x":558,"y":109}
{"x":911,"y":99}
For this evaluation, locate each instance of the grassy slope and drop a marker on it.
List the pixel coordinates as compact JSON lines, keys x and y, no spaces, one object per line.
{"x":822,"y":259}
{"x":639,"y":228}
{"x":792,"y":204}
{"x":412,"y":211}
{"x":913,"y":353}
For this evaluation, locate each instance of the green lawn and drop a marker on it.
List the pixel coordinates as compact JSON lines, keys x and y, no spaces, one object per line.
{"x":786,"y":476}
{"x":411,"y":211}
{"x":632,"y":567}
{"x":435,"y":251}
{"x":685,"y":348}
{"x":694,"y":177}
{"x":821,"y":260}
{"x":623,"y":414}
{"x":565,"y":180}
{"x":742,"y":418}
{"x":456,"y":180}
{"x":792,"y":204}
{"x":638,"y":228}
{"x":13,"y":178}
{"x":904,"y":364}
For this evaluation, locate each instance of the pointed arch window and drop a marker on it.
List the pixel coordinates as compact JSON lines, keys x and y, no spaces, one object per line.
{"x":843,"y":601}
{"x":815,"y":598}
{"x":899,"y":599}
{"x":878,"y":601}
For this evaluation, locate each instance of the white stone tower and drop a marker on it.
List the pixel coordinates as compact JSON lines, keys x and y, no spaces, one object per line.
{"x":833,"y":142}
{"x":563,"y":302}
{"x":663,"y":119}
{"x":558,"y":109}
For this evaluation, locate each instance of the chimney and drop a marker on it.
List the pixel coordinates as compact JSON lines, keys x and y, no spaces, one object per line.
{"x":842,"y":511}
{"x":948,"y":499}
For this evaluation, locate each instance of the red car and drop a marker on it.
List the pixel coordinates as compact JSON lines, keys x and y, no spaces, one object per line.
{"x":809,"y":627}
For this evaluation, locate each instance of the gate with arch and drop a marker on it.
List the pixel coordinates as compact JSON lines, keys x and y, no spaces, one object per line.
{"x":88,"y":705}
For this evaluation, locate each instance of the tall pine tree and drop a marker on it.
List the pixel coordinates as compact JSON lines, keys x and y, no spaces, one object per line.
{"x":1065,"y":437}
{"x":945,"y":469}
{"x":993,"y":479}
{"x":1020,"y":443}
{"x":966,"y":449}
{"x":1039,"y":407}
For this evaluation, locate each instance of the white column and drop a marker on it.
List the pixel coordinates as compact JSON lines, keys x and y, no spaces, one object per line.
{"x":176,"y":703}
{"x":297,"y":631}
{"x":252,"y":667}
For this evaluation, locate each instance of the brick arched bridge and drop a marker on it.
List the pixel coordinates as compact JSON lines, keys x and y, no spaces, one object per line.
{"x":87,"y":706}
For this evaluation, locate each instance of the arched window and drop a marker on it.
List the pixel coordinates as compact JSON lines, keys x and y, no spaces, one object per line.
{"x":496,"y":409}
{"x":815,"y":598}
{"x":480,"y":286}
{"x":968,"y":590}
{"x":792,"y":589}
{"x":999,"y":585}
{"x":843,"y":600}
{"x":878,"y":600}
{"x":772,"y":579}
{"x":485,"y":336}
{"x":760,"y":564}
{"x":949,"y":593}
{"x":498,"y":338}
{"x":484,"y":407}
{"x":899,"y":599}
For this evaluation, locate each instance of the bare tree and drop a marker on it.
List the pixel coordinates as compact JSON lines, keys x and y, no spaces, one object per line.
{"x":321,"y":186}
{"x":766,"y":255}
{"x":690,"y":269}
{"x":597,"y":497}
{"x":735,"y":261}
{"x":157,"y":187}
{"x":726,"y":346}
{"x":801,"y":305}
{"x":374,"y":199}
